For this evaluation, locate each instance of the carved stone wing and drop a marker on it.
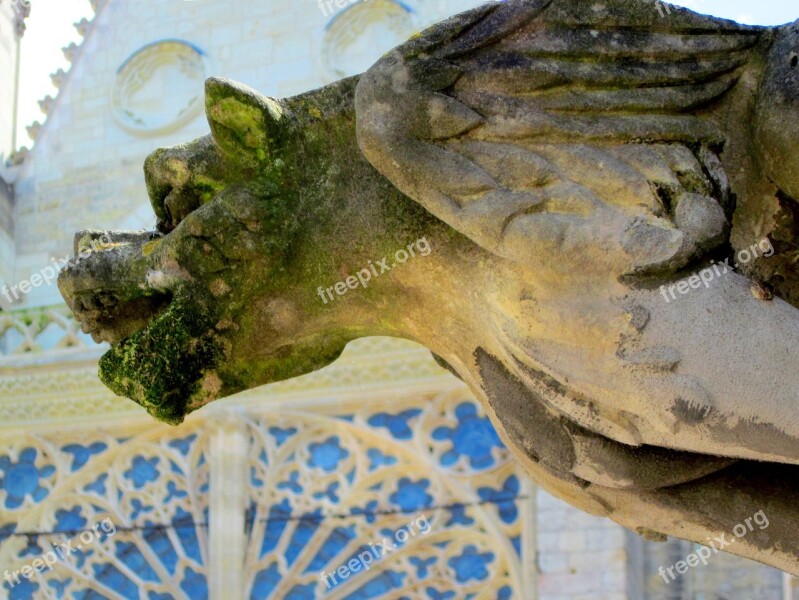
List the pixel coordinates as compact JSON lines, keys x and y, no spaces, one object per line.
{"x":543,"y":128}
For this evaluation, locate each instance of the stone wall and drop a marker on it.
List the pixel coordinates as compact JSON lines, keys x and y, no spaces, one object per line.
{"x":579,"y":555}
{"x":725,"y":576}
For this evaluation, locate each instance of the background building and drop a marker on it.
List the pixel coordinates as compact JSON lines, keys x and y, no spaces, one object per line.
{"x":261,"y":495}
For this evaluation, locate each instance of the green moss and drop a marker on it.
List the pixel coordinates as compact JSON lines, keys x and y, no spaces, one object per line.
{"x":293,"y":360}
{"x":207,"y":188}
{"x":244,"y":121}
{"x":160,"y":366}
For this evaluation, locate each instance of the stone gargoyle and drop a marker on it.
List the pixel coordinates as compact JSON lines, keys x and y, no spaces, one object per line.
{"x":577,"y":169}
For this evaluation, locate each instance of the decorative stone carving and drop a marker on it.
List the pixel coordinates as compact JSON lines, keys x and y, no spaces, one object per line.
{"x":33,"y":331}
{"x":141,"y":486}
{"x":314,"y":482}
{"x":82,"y":26}
{"x":22,"y":8}
{"x":571,"y":165}
{"x":159,"y":87}
{"x":58,"y":77}
{"x":46,"y":104}
{"x":70,"y":51}
{"x":365,"y":464}
{"x":33,"y":130}
{"x":354,"y":35}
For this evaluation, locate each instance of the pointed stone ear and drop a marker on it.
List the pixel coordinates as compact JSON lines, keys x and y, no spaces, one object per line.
{"x":246,"y":125}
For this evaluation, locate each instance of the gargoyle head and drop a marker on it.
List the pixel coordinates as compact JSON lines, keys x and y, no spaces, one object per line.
{"x":221,"y":297}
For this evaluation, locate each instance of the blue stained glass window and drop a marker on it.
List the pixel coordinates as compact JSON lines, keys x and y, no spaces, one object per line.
{"x":82,"y":454}
{"x":21,"y":478}
{"x":194,"y":584}
{"x":265,"y":581}
{"x":471,"y":564}
{"x":328,"y":454}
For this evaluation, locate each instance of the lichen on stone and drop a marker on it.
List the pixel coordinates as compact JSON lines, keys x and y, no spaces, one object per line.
{"x":160,"y":366}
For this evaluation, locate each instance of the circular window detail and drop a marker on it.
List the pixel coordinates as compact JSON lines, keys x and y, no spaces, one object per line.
{"x":160,"y":87}
{"x":356,"y":38}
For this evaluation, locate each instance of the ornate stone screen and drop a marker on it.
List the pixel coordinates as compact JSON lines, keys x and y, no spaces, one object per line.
{"x":379,"y":477}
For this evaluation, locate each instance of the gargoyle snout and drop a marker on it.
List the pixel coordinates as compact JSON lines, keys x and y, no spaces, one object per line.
{"x":105,"y":284}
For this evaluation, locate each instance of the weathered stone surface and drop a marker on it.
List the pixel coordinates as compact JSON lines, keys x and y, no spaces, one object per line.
{"x":571,"y":165}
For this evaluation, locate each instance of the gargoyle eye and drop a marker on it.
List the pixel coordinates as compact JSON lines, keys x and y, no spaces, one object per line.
{"x":794,"y":61}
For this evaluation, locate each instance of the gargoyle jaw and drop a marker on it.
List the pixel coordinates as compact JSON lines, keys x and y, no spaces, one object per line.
{"x":162,"y":344}
{"x":105,"y":284}
{"x":169,"y":366}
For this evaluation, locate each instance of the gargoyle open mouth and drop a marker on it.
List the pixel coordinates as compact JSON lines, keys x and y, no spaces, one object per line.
{"x":106,"y":285}
{"x":160,"y":347}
